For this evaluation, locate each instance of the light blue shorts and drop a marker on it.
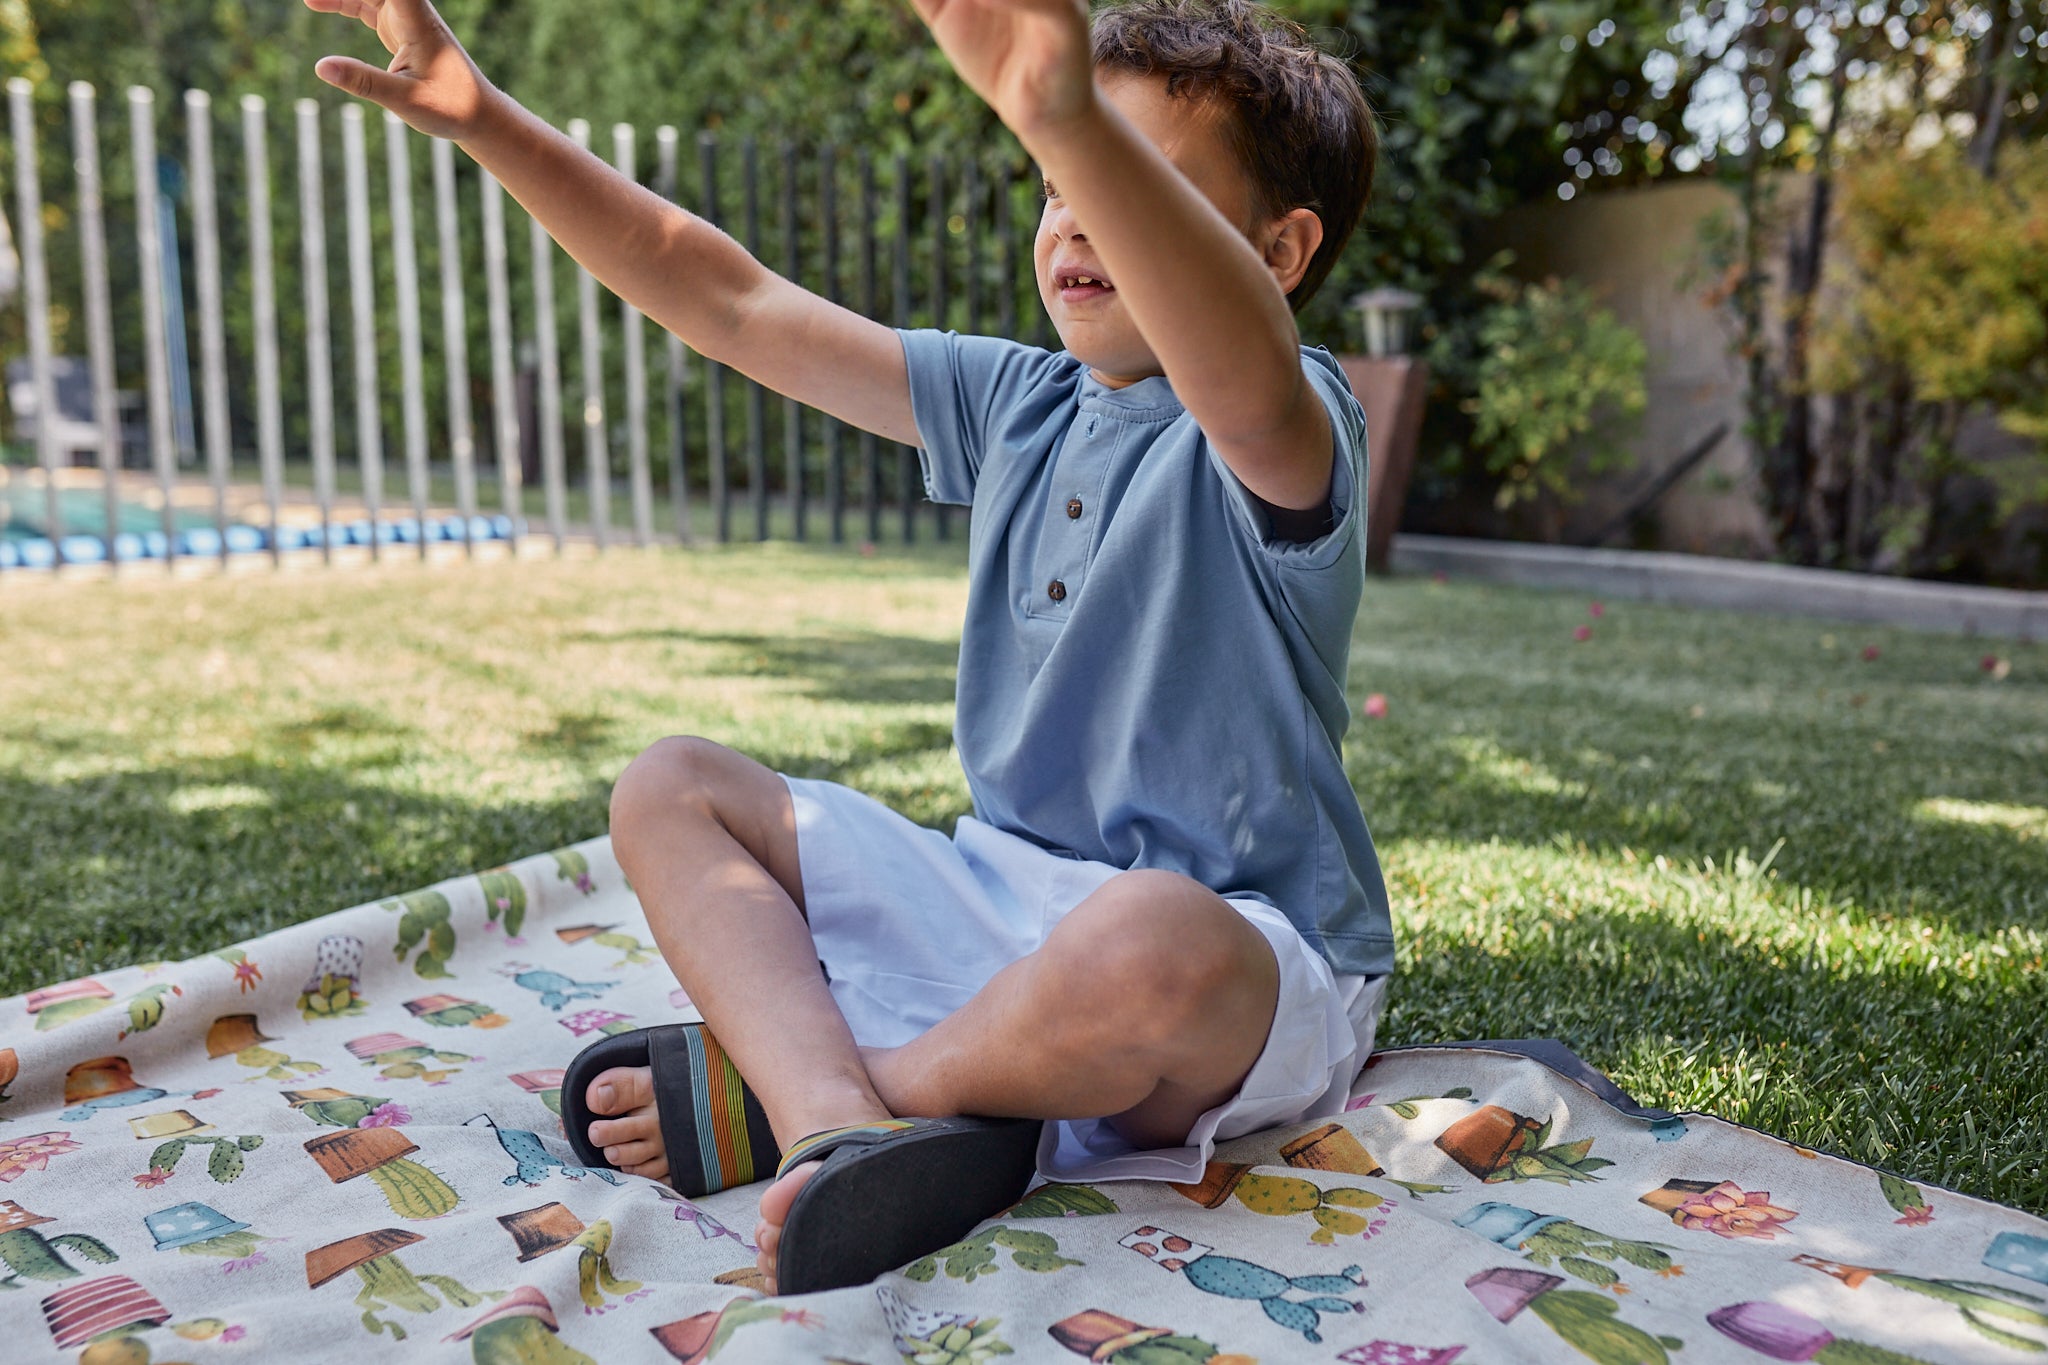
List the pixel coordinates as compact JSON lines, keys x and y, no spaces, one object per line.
{"x":910,"y":924}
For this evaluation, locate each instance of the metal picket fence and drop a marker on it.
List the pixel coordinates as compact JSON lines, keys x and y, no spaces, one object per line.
{"x":254,"y":457}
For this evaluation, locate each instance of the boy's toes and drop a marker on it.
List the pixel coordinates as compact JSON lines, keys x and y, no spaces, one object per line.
{"x":775,"y":1205}
{"x":636,"y":1156}
{"x":621,"y":1090}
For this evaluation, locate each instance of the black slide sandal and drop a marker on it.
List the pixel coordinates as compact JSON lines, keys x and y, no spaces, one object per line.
{"x":882,"y":1200}
{"x":713,"y":1128}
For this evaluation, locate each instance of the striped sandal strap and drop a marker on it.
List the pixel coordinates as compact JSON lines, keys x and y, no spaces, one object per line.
{"x":716,"y":1132}
{"x":819,"y":1144}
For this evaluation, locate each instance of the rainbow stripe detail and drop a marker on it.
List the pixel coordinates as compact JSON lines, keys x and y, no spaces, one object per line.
{"x":799,"y":1151}
{"x":723,"y":1149}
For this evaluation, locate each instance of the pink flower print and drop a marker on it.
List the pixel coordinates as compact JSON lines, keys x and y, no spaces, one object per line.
{"x":234,"y":1332}
{"x":32,"y":1153}
{"x":247,"y":974}
{"x":1728,"y":1211}
{"x":1918,"y":1216}
{"x":585,"y":885}
{"x":390,"y":1114}
{"x":151,"y":1178}
{"x":589,"y":1021}
{"x":249,"y":1262}
{"x":1362,"y":1102}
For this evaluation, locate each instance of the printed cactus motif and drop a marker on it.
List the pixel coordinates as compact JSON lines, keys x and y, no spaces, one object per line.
{"x":1904,"y":1195}
{"x":504,"y":895}
{"x":1343,"y":1212}
{"x":1055,"y":1200}
{"x":424,"y":917}
{"x":1592,"y":1325}
{"x":1033,"y":1251}
{"x":412,"y":1191}
{"x":594,"y":1277}
{"x":225,"y":1164}
{"x":28,"y":1255}
{"x":146,"y":1007}
{"x":1550,"y":1241}
{"x":1498,"y":1145}
{"x":1975,"y":1302}
{"x":331,"y":991}
{"x":572,"y":866}
{"x":1231,"y":1278}
{"x":247,"y":973}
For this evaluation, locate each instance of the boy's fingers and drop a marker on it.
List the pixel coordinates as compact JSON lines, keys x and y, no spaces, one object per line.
{"x":365,"y":81}
{"x":365,"y":10}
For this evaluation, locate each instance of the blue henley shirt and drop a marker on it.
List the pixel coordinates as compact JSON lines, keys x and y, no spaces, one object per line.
{"x":1147,"y":677}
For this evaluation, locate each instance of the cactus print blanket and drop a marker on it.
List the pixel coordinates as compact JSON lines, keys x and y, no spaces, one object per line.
{"x":339,"y":1142}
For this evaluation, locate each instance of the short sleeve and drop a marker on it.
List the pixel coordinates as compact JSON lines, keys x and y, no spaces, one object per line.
{"x":959,"y":387}
{"x":1347,"y":477}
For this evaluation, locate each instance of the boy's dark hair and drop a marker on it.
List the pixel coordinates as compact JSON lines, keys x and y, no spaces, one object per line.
{"x":1298,"y":121}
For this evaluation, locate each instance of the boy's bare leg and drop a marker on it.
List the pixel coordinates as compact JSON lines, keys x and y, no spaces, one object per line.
{"x":707,"y":837}
{"x":1150,"y":1002}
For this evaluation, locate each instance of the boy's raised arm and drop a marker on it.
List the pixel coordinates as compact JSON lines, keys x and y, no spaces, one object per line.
{"x":1207,"y":304}
{"x":675,"y":267}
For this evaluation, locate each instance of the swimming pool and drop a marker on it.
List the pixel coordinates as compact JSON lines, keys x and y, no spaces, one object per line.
{"x":26,"y":543}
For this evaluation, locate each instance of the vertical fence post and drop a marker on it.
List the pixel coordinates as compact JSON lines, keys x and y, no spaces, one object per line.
{"x":641,"y":480}
{"x":757,"y":416}
{"x":870,"y":306}
{"x":363,"y":313}
{"x":828,"y":285}
{"x":792,"y":411}
{"x":35,"y":296}
{"x":906,"y":458}
{"x":714,"y":373}
{"x":454,"y":341}
{"x":1006,"y":258}
{"x":263,"y":303}
{"x":156,"y":359}
{"x":548,"y":341}
{"x":319,"y":353}
{"x":405,"y":267}
{"x":672,"y":385}
{"x":504,"y":401}
{"x":971,"y":194}
{"x":597,"y":456}
{"x":941,"y":231}
{"x":212,"y":327}
{"x":99,"y":308}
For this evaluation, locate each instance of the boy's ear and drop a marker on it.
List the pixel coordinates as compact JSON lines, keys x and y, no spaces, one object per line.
{"x":1291,"y":243}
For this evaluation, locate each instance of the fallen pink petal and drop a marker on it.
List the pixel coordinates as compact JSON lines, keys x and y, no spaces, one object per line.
{"x":1597,"y":609}
{"x":1583,"y":633}
{"x":1376,"y":706}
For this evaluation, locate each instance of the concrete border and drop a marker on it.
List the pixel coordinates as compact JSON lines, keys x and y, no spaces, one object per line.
{"x":1733,"y":584}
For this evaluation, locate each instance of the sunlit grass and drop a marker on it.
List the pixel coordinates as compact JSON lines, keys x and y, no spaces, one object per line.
{"x":1727,"y":859}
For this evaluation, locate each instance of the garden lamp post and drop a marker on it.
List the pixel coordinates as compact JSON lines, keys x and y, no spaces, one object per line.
{"x":1390,"y":385}
{"x":1386,"y":311}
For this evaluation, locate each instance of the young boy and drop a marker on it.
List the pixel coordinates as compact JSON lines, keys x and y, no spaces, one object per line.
{"x":1164,"y":924}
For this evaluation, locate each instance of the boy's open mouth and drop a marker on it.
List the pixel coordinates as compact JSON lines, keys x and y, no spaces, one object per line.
{"x":1078,"y":287}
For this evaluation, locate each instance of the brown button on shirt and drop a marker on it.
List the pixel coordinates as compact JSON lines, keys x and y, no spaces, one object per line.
{"x":1073,"y":509}
{"x":1057,"y":591}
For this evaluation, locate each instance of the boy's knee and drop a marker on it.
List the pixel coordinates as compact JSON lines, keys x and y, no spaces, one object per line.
{"x":1162,"y":946}
{"x":671,"y":775}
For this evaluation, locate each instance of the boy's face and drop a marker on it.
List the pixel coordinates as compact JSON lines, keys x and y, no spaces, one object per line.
{"x":1091,"y":319}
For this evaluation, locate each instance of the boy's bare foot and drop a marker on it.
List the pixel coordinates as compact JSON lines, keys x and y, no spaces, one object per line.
{"x":632,"y":1141}
{"x":632,"y":1138}
{"x":776,"y":1202}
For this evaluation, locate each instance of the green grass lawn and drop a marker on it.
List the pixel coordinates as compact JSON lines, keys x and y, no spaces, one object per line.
{"x":1729,"y":860}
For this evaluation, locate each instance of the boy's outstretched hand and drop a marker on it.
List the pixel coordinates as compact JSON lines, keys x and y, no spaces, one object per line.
{"x":431,"y":82}
{"x":1029,"y":59}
